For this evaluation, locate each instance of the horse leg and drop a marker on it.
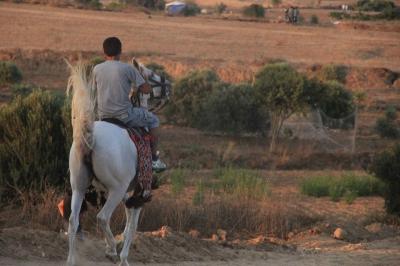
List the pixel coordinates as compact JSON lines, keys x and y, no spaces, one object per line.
{"x":104,"y":216}
{"x":130,"y":229}
{"x":79,"y":182}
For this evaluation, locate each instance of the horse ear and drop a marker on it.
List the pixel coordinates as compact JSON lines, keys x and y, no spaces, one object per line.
{"x":135,"y":63}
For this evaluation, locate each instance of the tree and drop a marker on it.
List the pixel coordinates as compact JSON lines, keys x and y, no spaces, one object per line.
{"x":386,"y":166}
{"x":281,"y":88}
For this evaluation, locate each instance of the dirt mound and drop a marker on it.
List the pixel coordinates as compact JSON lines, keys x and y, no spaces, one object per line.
{"x":31,"y":244}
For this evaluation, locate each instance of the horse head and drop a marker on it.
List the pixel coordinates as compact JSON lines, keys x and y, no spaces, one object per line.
{"x":161,"y":88}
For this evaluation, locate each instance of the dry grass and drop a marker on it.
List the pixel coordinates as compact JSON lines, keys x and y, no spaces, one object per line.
{"x":192,"y":39}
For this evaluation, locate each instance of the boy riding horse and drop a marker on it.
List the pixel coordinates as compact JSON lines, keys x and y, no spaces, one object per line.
{"x":113,"y":84}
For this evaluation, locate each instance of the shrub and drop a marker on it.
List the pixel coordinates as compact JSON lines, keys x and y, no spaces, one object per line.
{"x":276,"y":2}
{"x":254,"y":10}
{"x":159,"y":70}
{"x":33,"y":148}
{"x":334,"y":72}
{"x":234,"y":109}
{"x":314,"y":19}
{"x":386,"y":126}
{"x":190,"y":93}
{"x":386,"y":166}
{"x":150,"y":4}
{"x":337,"y":187}
{"x":21,"y":89}
{"x":115,"y":6}
{"x":339,"y":15}
{"x":374,"y":5}
{"x":191,"y":9}
{"x":92,"y":4}
{"x":220,"y":8}
{"x":9,"y":73}
{"x":337,"y":102}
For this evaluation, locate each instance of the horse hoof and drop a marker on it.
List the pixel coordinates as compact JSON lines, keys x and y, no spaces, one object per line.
{"x":124,"y":263}
{"x":114,"y":258}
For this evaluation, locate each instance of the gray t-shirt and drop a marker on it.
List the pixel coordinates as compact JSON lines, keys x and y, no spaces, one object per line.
{"x":113,"y":82}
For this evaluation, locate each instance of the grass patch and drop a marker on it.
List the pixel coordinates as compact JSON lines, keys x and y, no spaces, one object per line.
{"x":240,"y":182}
{"x":177,"y":177}
{"x":349,"y":186}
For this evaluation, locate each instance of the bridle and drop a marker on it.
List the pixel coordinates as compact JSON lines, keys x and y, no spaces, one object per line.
{"x":158,"y":101}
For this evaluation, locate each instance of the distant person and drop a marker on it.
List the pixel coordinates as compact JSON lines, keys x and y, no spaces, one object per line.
{"x":113,"y":84}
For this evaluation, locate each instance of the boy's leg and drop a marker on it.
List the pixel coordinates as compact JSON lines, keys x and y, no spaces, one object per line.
{"x":140,"y":117}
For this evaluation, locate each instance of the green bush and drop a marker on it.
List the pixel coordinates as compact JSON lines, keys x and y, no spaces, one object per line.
{"x":115,"y":6}
{"x":92,"y":4}
{"x":386,"y":166}
{"x":337,"y":102}
{"x":220,"y":8}
{"x":190,"y":93}
{"x":334,"y":72}
{"x":191,"y":9}
{"x":150,"y":4}
{"x":254,"y":10}
{"x":339,"y":15}
{"x":33,"y":143}
{"x":159,"y":70}
{"x":9,"y":73}
{"x":337,"y":187}
{"x":276,"y":2}
{"x":234,"y":109}
{"x":21,"y":89}
{"x":374,"y":5}
{"x":386,"y":126}
{"x":314,"y":19}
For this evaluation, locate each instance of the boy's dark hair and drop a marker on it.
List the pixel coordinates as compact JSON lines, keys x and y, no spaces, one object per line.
{"x":112,"y":46}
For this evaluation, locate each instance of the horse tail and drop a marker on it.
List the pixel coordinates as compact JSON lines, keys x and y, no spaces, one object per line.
{"x":81,"y":86}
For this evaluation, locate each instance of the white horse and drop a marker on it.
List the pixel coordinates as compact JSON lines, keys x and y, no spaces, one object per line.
{"x":113,"y":159}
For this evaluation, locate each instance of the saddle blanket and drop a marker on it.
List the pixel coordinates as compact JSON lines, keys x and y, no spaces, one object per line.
{"x":144,"y":174}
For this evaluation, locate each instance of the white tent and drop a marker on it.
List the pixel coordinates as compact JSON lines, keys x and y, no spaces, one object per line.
{"x":174,"y":8}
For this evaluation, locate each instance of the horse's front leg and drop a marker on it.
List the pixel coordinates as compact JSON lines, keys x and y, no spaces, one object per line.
{"x":103,"y":218}
{"x":129,"y":232}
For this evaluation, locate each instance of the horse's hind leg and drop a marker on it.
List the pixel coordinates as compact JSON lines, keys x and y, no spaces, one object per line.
{"x":104,"y":216}
{"x":130,"y":229}
{"x":79,"y":182}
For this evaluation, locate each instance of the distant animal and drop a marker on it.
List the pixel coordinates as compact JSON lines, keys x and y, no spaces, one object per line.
{"x":113,"y":160}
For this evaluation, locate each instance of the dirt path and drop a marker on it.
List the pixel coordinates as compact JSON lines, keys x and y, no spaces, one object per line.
{"x":205,"y":38}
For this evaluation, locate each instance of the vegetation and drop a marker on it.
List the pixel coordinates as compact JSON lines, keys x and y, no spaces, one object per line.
{"x":240,"y":183}
{"x":220,"y":8}
{"x":234,"y":109}
{"x":191,"y":9}
{"x":348,"y":186}
{"x":386,"y":166}
{"x":115,"y":6}
{"x":314,"y":20}
{"x":159,"y":70}
{"x":386,"y":126}
{"x":190,"y":93}
{"x":254,"y":10}
{"x":276,"y":2}
{"x":177,"y":177}
{"x":33,"y":148}
{"x":9,"y":73}
{"x":19,"y":89}
{"x":92,"y":4}
{"x":374,"y":5}
{"x":280,"y":87}
{"x":333,"y":73}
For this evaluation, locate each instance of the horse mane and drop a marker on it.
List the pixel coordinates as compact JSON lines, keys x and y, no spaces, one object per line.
{"x":81,"y":87}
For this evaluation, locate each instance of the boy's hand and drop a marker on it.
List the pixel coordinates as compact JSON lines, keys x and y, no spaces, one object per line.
{"x":145,"y":88}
